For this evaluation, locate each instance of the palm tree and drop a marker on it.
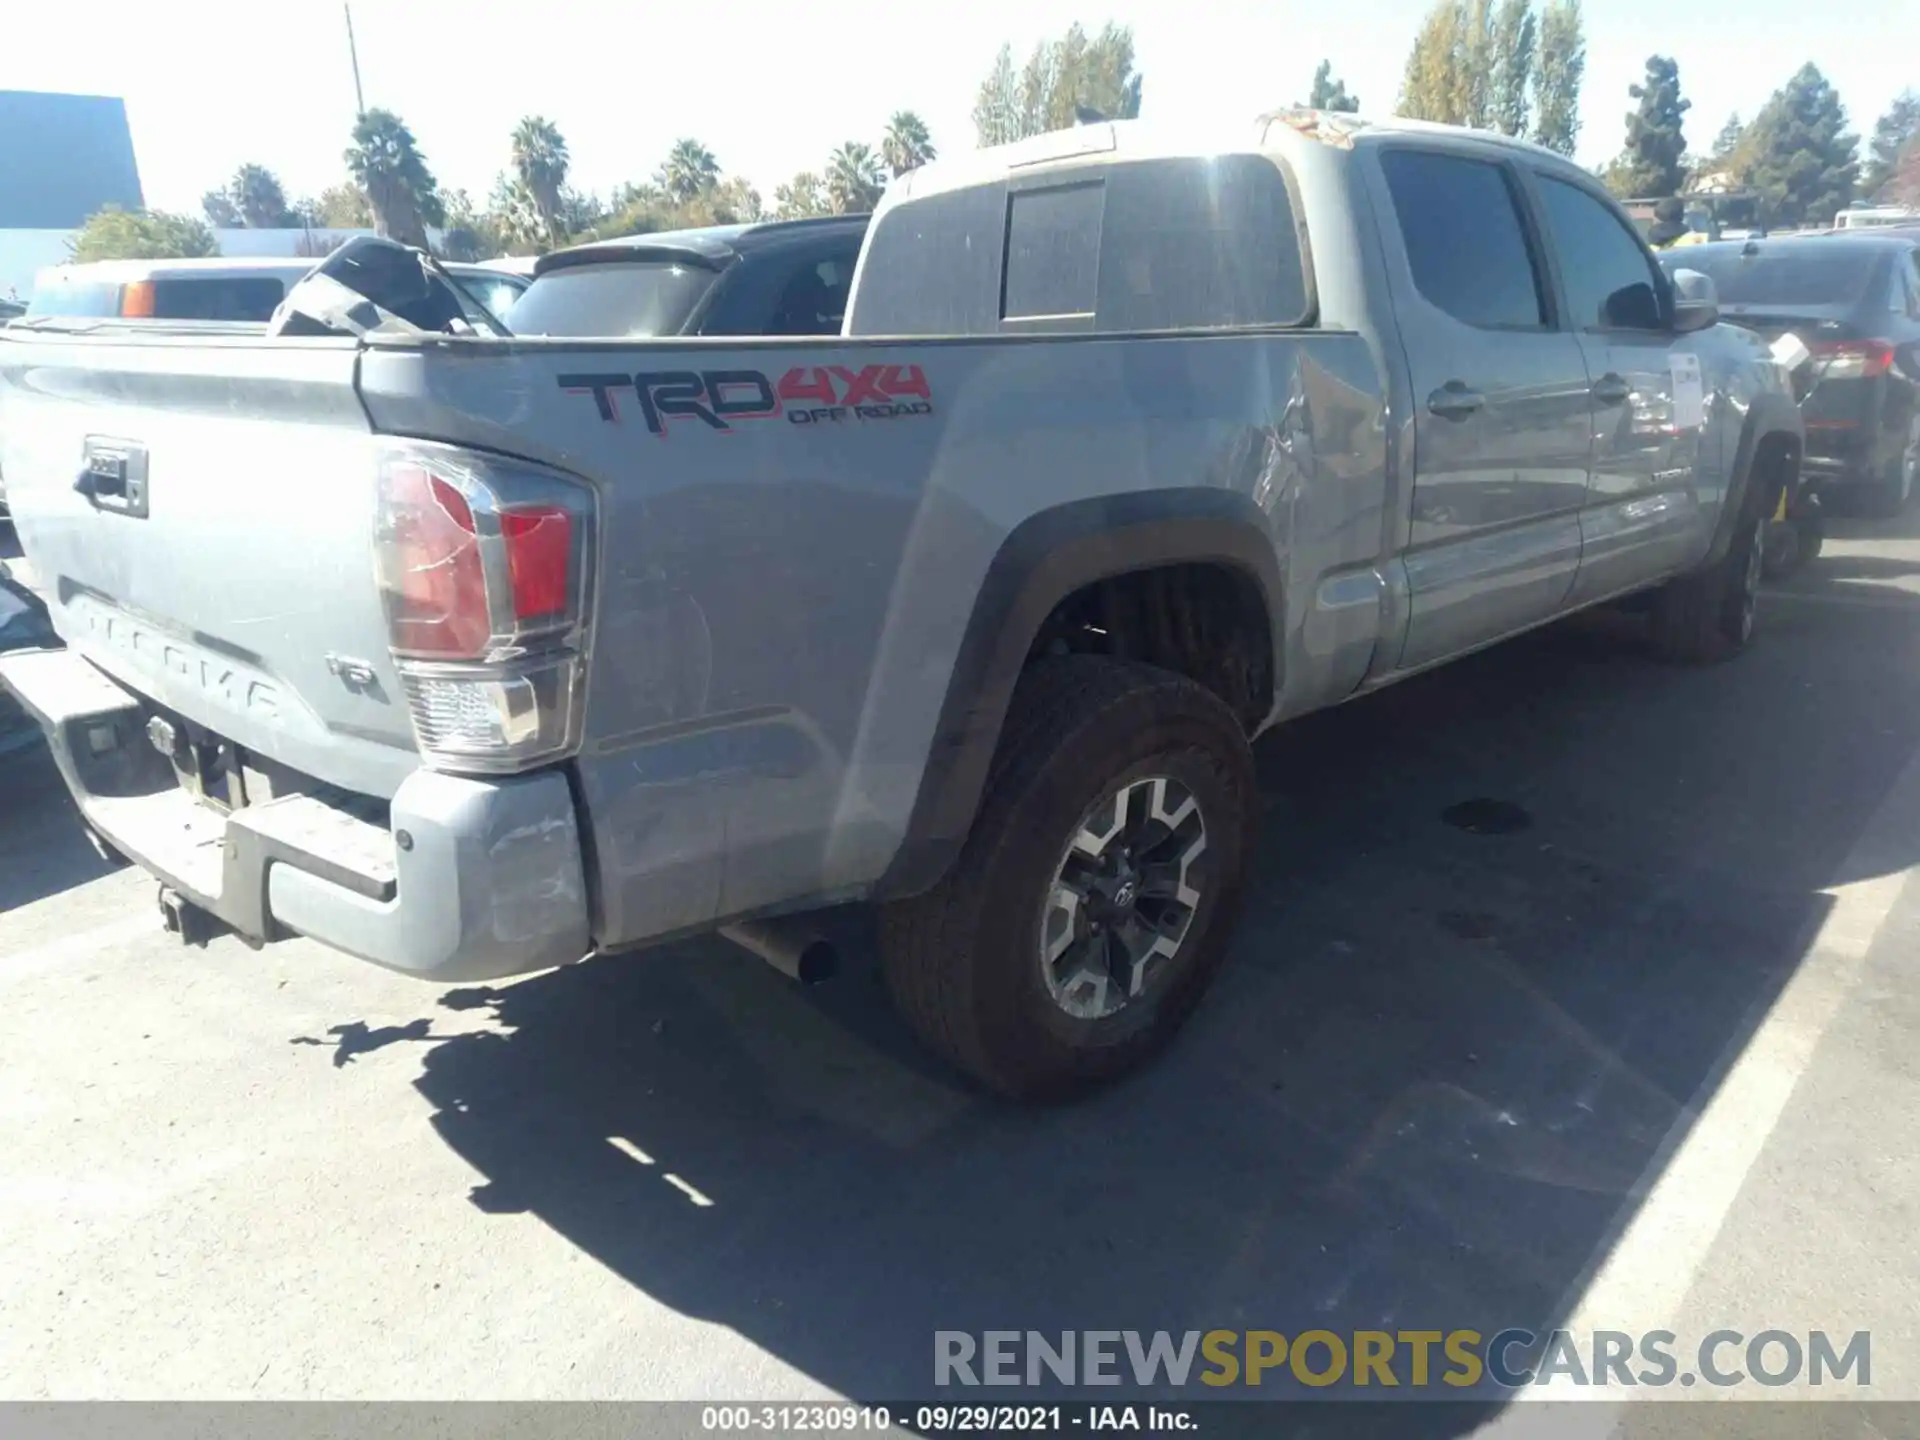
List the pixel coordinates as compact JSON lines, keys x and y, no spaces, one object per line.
{"x":386,"y":163}
{"x":854,"y":178}
{"x":258,"y":196}
{"x":540,"y":161}
{"x":690,"y":171}
{"x":516,"y":217}
{"x":907,"y":145}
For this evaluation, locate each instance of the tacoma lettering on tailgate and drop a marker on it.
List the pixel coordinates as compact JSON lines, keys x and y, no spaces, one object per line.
{"x":806,"y":395}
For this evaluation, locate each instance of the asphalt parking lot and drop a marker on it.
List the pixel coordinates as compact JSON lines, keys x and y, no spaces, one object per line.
{"x":1637,"y":1046}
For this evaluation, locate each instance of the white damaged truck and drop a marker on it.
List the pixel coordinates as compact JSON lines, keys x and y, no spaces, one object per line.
{"x":476,"y":654}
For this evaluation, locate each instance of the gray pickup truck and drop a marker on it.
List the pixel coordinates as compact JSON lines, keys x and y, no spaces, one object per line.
{"x":476,"y":655}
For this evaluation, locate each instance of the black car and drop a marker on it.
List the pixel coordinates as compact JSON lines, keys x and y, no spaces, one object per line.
{"x":779,"y":278}
{"x":1854,"y":298}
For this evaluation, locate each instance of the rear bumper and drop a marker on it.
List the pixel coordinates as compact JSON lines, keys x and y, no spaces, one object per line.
{"x":461,"y":879}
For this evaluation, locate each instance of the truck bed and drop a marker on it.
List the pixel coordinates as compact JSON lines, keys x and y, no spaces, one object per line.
{"x":796,"y":541}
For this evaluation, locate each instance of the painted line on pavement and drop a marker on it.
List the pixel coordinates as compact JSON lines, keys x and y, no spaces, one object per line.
{"x":1692,"y":1181}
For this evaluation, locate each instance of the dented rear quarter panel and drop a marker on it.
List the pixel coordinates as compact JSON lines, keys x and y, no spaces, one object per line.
{"x":781,"y":602}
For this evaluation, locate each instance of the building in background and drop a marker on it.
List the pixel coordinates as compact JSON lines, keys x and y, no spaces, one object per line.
{"x":62,"y":158}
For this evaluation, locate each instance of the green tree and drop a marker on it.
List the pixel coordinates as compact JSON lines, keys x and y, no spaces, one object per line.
{"x":259,"y":199}
{"x":387,"y":165}
{"x":220,"y":210}
{"x":1903,"y":188}
{"x":116,"y":234}
{"x":1652,"y":163}
{"x":469,"y":234}
{"x":907,"y":144}
{"x":689,"y":170}
{"x":996,"y":107}
{"x":1560,"y":68}
{"x":580,"y":211}
{"x":1473,"y":76}
{"x":344,"y":207}
{"x":1893,"y":133}
{"x":515,"y":217}
{"x":1061,"y":79}
{"x":854,"y":179}
{"x":801,"y":198}
{"x":1728,"y":140}
{"x":1329,"y":93}
{"x":1431,"y":88}
{"x":1798,"y":154}
{"x":540,"y":162}
{"x":1515,"y":30}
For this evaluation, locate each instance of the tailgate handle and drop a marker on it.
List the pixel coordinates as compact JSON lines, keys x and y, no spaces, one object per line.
{"x":113,"y":476}
{"x":103,"y":475}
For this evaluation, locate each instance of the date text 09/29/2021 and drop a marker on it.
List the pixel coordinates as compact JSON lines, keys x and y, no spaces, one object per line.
{"x":947,"y":1419}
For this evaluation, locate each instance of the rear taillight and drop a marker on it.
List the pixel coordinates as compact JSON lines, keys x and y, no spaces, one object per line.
{"x":484,"y":568}
{"x":136,"y":300}
{"x":1852,"y":359}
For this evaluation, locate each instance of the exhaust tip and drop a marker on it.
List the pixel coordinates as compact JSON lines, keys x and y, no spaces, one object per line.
{"x":818,"y":960}
{"x":794,"y":950}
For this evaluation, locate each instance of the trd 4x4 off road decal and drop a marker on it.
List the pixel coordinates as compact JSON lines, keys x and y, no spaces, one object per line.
{"x":806,"y":395}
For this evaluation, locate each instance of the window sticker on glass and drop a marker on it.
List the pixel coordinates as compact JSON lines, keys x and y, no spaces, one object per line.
{"x":1689,"y":392}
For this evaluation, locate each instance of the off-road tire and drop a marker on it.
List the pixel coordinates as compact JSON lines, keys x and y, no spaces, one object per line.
{"x":963,"y":960}
{"x":1708,"y":616}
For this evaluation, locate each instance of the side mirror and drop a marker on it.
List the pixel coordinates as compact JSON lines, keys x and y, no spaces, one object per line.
{"x":1696,"y":302}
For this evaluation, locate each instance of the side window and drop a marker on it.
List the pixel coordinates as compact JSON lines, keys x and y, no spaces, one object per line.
{"x":1464,"y":238}
{"x":1610,"y":281}
{"x":1912,"y":268}
{"x":814,"y":299}
{"x":1193,"y":244}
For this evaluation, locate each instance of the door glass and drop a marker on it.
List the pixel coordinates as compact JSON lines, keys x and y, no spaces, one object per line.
{"x":1464,"y":238}
{"x":1610,"y":280}
{"x":814,"y":300}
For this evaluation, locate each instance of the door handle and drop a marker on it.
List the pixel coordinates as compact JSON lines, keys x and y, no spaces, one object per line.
{"x":1454,"y":401}
{"x":1611,"y":390}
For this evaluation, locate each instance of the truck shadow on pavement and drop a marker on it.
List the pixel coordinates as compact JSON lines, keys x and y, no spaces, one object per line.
{"x":1425,"y":1094}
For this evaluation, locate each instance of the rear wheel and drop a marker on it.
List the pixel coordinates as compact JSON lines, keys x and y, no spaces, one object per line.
{"x":1095,"y":897}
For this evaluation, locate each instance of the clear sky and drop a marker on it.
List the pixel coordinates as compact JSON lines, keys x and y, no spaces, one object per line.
{"x":772,"y":87}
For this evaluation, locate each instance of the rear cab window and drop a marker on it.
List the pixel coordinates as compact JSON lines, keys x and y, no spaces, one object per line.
{"x":250,"y":298}
{"x":1174,"y":243}
{"x":613,"y":299}
{"x":72,"y":297}
{"x":1840,"y":277}
{"x":217,"y":297}
{"x":1460,"y":223}
{"x":787,"y":289}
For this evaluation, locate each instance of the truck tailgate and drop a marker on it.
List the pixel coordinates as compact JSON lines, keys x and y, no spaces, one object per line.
{"x":200,"y":514}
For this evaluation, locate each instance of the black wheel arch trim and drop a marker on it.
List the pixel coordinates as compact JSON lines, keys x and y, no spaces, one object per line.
{"x":1043,"y":560}
{"x":1770,"y":414}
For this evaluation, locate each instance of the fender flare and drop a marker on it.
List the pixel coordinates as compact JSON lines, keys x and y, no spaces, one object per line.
{"x":1042,"y":561}
{"x":1770,"y":413}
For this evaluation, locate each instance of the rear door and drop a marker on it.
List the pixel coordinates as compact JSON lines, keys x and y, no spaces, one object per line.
{"x":1502,"y":434}
{"x":1643,"y":517}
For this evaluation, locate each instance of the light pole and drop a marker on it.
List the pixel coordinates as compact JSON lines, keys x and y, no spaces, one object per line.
{"x":359,"y":98}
